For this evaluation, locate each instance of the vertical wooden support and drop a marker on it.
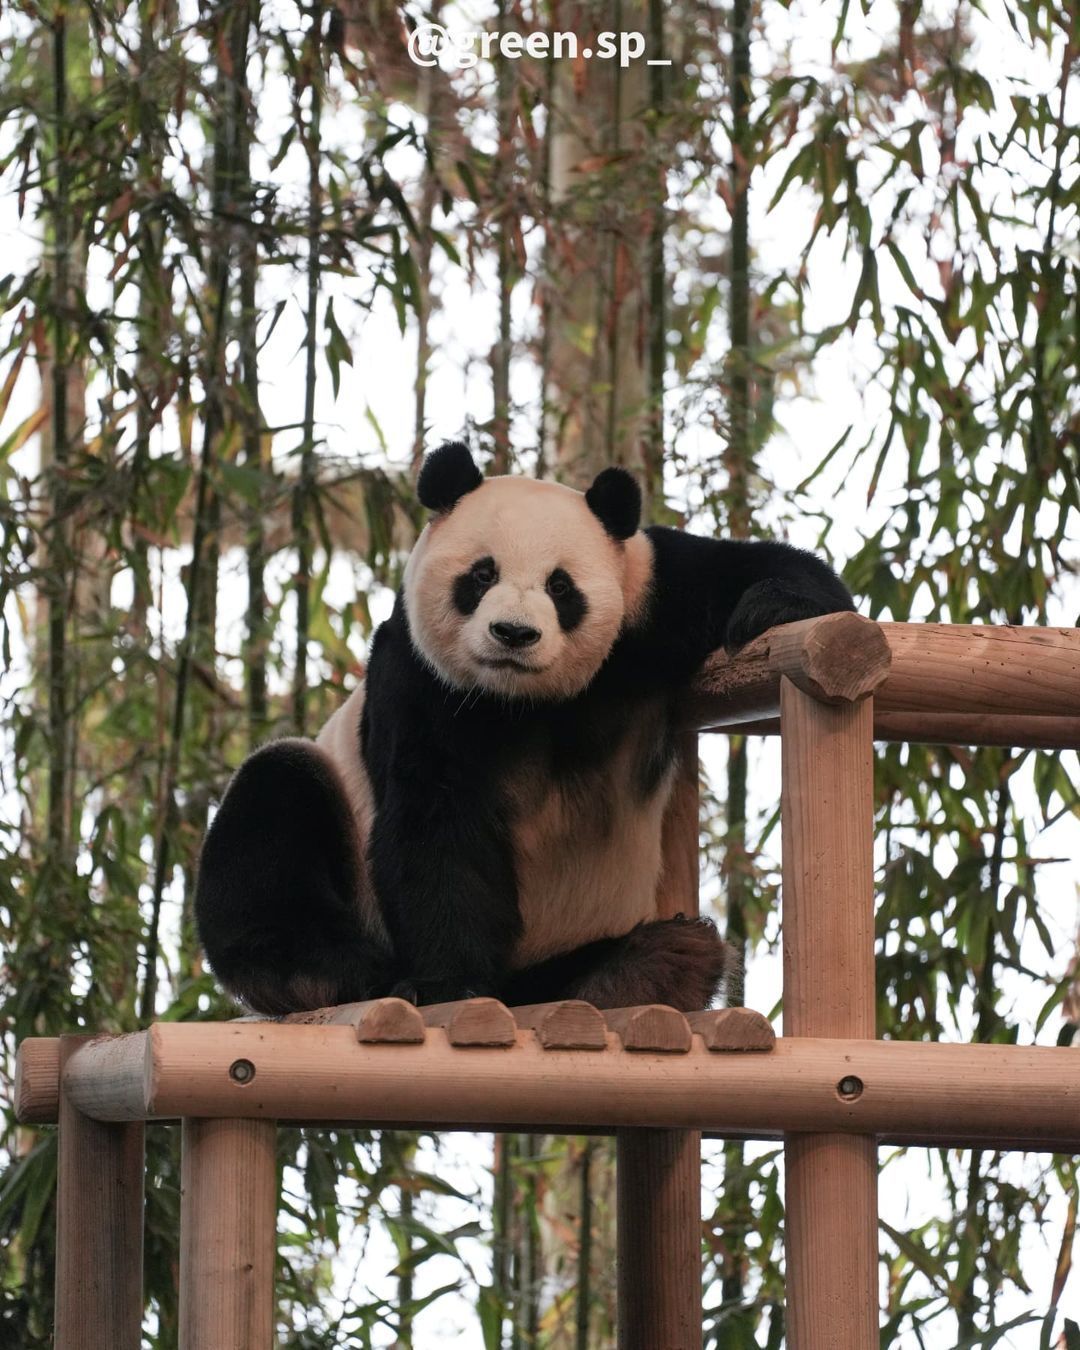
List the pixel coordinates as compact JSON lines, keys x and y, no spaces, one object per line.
{"x":99,"y":1228}
{"x":659,"y":1171}
{"x":831,"y":1186}
{"x":228,"y":1210}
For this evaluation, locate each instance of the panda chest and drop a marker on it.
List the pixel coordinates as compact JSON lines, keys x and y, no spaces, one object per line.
{"x":586,"y":834}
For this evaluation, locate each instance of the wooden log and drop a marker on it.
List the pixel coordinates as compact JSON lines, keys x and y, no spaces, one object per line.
{"x":659,"y":1284}
{"x":982,"y":668}
{"x":228,"y":1212}
{"x":473,"y":1022}
{"x":650,"y":1027}
{"x":839,"y":658}
{"x":568,"y":1025}
{"x":828,"y":931}
{"x":955,"y":1094}
{"x":1020,"y":729}
{"x":382,"y":1021}
{"x":37,"y":1080}
{"x":658,"y":1173}
{"x":99,"y":1228}
{"x":939,"y":670}
{"x":734,"y":1029}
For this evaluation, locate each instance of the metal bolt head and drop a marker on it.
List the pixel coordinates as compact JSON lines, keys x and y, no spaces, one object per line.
{"x":242,"y":1071}
{"x":850,"y":1087}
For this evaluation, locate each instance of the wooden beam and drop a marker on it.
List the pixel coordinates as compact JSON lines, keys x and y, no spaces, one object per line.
{"x":658,"y":1172}
{"x":99,"y":1227}
{"x":955,"y":1094}
{"x":839,"y":658}
{"x":1019,"y":729}
{"x":827,"y":801}
{"x":658,"y":1257}
{"x":228,"y":1214}
{"x":982,"y":668}
{"x":940,"y":671}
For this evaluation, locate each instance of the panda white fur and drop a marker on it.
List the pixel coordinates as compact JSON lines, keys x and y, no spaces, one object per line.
{"x":483,"y":814}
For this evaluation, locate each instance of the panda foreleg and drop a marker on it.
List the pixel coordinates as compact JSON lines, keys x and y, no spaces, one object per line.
{"x":278,"y":891}
{"x":680,"y":962}
{"x":711,"y":593}
{"x":443,"y":871}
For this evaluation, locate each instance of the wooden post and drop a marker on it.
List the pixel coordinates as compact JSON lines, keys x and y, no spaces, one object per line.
{"x":228,"y":1210}
{"x":831,"y":1188}
{"x":99,"y":1228}
{"x":659,"y":1171}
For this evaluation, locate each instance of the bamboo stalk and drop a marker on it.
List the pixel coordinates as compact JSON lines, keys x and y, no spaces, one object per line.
{"x":306,"y":480}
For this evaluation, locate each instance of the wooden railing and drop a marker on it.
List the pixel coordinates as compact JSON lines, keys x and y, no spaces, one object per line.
{"x":654,"y":1077}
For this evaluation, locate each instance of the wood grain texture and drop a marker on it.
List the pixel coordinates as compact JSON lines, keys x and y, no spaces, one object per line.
{"x":828,"y":934}
{"x":831,"y":1242}
{"x":982,"y":668}
{"x":1019,"y":729}
{"x":651,"y":1027}
{"x":380,"y":1021}
{"x":568,"y":1025}
{"x":473,"y":1022}
{"x":37,"y":1080}
{"x":99,"y":1228}
{"x":658,"y":1172}
{"x":958,"y":1094}
{"x":839,"y":658}
{"x":938,"y":670}
{"x":733,"y":1029}
{"x":228,"y":1212}
{"x":658,"y":1187}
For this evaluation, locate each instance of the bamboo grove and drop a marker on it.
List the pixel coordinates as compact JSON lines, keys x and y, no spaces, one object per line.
{"x":255,"y":260}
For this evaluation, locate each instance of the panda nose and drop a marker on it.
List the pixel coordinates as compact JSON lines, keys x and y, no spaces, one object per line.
{"x":515,"y":634}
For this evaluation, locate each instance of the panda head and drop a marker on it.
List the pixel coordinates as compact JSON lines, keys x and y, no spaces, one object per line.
{"x":519,"y":587}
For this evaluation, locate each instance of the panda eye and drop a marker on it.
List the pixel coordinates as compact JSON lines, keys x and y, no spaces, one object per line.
{"x":485,"y":573}
{"x":558,"y":585}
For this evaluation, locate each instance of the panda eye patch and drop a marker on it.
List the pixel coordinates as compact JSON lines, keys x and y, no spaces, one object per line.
{"x":469,"y":588}
{"x":570,"y":605}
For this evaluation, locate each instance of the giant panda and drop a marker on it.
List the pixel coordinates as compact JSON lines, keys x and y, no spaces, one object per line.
{"x":483,"y":815}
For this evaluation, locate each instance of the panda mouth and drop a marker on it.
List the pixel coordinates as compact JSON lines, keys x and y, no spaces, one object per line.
{"x":508,"y":663}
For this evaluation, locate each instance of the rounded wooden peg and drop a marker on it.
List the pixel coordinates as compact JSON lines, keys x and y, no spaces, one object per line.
{"x":473,"y":1022}
{"x":389,"y":1021}
{"x":653,"y":1026}
{"x":567,"y":1025}
{"x":733,"y":1029}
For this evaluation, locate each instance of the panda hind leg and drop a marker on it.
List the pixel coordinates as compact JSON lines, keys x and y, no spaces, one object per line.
{"x":679,"y":962}
{"x":278,"y":889}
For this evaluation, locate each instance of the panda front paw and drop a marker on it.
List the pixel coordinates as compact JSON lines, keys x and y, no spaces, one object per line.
{"x":424,"y":992}
{"x":771,"y":602}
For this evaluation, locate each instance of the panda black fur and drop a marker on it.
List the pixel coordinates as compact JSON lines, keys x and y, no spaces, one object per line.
{"x":483,"y":815}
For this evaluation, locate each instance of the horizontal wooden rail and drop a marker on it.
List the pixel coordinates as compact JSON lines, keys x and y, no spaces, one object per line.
{"x":1024,"y":1097}
{"x":956,"y":684}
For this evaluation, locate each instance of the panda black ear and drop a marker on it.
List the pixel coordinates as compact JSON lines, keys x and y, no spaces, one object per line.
{"x":615,"y":499}
{"x":446,"y":475}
